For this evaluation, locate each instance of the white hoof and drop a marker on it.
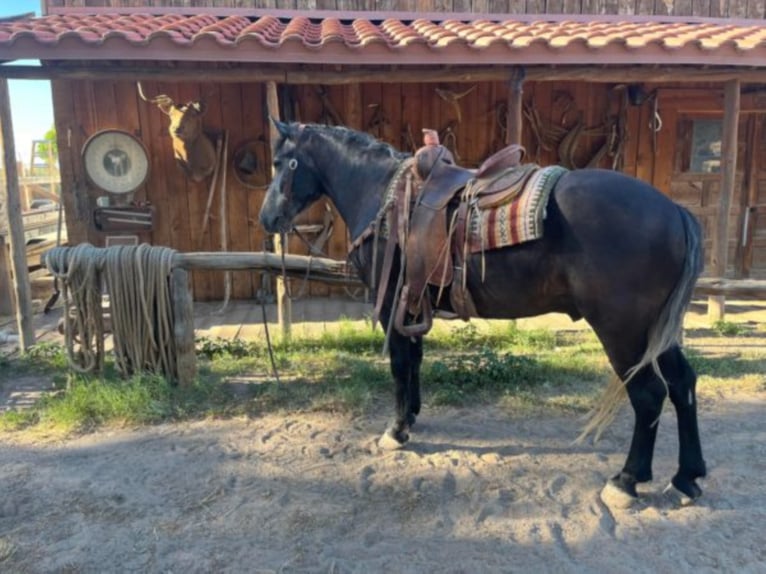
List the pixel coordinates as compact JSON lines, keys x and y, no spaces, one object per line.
{"x":387,"y":442}
{"x":676,"y":496}
{"x":613,"y":497}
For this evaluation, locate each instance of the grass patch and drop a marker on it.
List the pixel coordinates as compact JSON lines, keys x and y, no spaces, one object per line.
{"x":343,"y":370}
{"x":90,"y":402}
{"x":728,"y":329}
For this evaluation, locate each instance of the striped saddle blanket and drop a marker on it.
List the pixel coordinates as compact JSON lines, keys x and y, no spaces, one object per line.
{"x":518,"y":220}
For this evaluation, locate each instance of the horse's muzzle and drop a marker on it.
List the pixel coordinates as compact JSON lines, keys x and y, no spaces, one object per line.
{"x":275,"y":223}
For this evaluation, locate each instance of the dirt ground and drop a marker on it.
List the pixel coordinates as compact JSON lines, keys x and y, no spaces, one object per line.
{"x":478,"y":490}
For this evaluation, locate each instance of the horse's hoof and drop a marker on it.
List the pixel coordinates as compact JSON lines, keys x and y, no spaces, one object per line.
{"x":615,"y":495}
{"x":391,"y":440}
{"x":682,"y":493}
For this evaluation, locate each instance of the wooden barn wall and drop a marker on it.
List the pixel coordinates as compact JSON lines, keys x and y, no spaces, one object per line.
{"x":565,"y":122}
{"x":395,"y":113}
{"x":82,"y":108}
{"x":712,"y":8}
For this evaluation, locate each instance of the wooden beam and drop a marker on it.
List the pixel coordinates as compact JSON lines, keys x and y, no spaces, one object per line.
{"x":716,"y":304}
{"x":284,"y":306}
{"x":383,"y":74}
{"x":318,"y":268}
{"x":15,"y":226}
{"x":747,"y":288}
{"x":515,"y":119}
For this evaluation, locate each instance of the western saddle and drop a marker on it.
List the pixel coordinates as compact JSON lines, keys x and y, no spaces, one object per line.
{"x":427,"y":214}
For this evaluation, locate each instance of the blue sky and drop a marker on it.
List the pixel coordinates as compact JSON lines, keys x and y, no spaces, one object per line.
{"x":31,"y":107}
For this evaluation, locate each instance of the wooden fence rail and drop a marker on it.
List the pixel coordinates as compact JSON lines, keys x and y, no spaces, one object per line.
{"x":749,"y":288}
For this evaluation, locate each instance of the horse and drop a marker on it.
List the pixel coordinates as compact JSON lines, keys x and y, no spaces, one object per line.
{"x":614,"y":251}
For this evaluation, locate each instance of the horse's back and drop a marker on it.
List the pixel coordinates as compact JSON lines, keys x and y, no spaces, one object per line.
{"x":609,"y":242}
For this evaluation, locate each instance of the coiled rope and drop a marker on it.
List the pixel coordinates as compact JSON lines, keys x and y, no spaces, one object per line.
{"x":137,"y":281}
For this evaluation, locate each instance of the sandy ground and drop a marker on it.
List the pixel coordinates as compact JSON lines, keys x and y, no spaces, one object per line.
{"x":478,"y":490}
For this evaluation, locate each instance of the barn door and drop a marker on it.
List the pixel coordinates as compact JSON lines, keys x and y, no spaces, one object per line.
{"x":687,"y":162}
{"x":751,"y":255}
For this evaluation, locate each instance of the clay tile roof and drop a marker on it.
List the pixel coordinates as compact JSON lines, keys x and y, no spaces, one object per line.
{"x":334,"y":38}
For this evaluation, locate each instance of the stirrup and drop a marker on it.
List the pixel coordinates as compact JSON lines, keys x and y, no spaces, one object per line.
{"x":413,"y":329}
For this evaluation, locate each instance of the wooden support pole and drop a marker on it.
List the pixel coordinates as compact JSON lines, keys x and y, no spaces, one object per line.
{"x":183,"y":330}
{"x":21,"y":284}
{"x":284,"y":306}
{"x":514,"y":121}
{"x":731,"y":107}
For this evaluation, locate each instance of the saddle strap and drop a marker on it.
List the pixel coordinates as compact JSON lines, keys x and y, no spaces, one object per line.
{"x":388,"y":261}
{"x":460,"y":298}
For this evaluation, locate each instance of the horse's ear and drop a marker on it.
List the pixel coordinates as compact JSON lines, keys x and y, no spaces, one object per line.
{"x":282,"y":127}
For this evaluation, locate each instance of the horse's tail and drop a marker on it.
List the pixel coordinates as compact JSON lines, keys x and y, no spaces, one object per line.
{"x":663,"y":334}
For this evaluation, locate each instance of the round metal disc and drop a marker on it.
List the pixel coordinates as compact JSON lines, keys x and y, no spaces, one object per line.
{"x":115,"y":161}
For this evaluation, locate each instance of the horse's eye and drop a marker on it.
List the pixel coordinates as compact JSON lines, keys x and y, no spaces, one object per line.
{"x":277,"y":163}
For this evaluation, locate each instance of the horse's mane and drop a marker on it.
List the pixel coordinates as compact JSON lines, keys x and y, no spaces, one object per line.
{"x":354,"y":139}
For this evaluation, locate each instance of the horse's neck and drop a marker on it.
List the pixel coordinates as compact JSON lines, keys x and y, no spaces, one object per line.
{"x":357,"y":188}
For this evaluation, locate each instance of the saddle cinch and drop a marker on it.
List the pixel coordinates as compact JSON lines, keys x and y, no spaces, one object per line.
{"x":433,"y":236}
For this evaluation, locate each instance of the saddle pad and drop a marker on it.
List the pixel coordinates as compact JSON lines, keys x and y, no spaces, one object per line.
{"x":519,"y":220}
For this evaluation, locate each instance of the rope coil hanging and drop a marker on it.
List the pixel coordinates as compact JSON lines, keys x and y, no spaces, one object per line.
{"x":137,"y":281}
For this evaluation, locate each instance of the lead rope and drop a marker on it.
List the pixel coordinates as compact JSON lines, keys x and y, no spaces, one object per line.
{"x":269,"y":346}
{"x":137,"y":279}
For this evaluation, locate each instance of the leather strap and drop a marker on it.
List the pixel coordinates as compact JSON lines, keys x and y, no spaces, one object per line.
{"x":388,"y":260}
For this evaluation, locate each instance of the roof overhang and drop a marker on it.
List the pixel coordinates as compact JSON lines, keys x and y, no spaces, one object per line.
{"x":370,"y":39}
{"x":290,"y":42}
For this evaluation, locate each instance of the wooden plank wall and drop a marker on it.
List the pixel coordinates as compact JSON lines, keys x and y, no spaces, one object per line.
{"x":395,"y":113}
{"x":712,"y":8}
{"x":84,"y":108}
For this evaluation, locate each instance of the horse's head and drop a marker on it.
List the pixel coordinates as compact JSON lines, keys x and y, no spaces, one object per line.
{"x":295,"y":185}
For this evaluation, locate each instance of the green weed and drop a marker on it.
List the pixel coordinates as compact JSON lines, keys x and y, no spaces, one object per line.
{"x":728,"y":329}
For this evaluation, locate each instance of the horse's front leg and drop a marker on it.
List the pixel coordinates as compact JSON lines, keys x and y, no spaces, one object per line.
{"x":416,"y":358}
{"x":400,"y":351}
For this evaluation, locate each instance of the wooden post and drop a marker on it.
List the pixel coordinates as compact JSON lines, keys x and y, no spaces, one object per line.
{"x":6,"y":293}
{"x":514,"y":122}
{"x":183,"y":331}
{"x":716,"y":305}
{"x":15,"y":225}
{"x":284,"y":307}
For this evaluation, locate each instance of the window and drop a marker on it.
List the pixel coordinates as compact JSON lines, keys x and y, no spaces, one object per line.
{"x":706,"y":146}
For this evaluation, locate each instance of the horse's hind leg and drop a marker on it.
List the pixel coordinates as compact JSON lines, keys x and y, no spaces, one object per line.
{"x":646,"y":393}
{"x":691,"y":464}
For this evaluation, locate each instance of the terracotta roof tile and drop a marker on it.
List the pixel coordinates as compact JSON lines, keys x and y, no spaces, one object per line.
{"x":302,"y":38}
